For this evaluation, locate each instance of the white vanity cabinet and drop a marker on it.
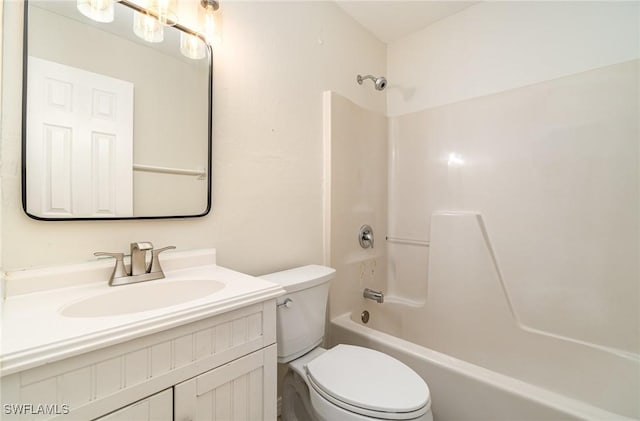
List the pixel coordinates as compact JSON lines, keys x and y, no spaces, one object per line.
{"x":219,"y":368}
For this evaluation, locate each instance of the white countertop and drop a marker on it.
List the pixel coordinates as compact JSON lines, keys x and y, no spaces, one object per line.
{"x":35,"y":333}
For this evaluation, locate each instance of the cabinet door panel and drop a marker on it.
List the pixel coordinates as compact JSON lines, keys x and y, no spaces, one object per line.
{"x":158,"y":407}
{"x":244,"y":389}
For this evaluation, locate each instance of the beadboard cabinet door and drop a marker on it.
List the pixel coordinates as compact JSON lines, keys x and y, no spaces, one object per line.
{"x":158,"y":407}
{"x":242,"y":390}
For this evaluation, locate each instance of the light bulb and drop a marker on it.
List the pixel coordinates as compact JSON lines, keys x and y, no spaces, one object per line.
{"x":192,"y":46}
{"x":164,"y":11}
{"x":147,"y":27}
{"x":211,"y":22}
{"x":98,"y":10}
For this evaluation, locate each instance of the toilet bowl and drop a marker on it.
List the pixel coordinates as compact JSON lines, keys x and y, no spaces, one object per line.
{"x":343,"y":383}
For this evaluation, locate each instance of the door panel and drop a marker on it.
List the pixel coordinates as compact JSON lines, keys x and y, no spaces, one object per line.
{"x":79,"y":142}
{"x":244,"y":389}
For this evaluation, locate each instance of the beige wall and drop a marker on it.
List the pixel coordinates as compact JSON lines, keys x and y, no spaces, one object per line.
{"x":276,"y":61}
{"x":539,"y":102}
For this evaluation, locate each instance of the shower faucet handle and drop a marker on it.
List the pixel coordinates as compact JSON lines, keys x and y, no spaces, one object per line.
{"x":365,"y":236}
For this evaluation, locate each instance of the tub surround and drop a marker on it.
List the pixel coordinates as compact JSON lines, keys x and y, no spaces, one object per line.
{"x":35,"y":332}
{"x":516,"y":289}
{"x":468,"y":315}
{"x":553,"y":169}
{"x":356,"y":167}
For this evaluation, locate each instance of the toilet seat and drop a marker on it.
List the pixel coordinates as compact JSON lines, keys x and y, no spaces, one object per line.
{"x":369,"y":383}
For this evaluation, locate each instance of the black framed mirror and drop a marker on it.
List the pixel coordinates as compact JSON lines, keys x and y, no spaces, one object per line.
{"x":114,"y":126}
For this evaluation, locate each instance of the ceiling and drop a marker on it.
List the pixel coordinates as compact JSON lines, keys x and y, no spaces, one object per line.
{"x":393,"y":19}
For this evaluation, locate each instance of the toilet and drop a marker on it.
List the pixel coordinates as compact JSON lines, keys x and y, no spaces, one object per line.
{"x":343,"y":383}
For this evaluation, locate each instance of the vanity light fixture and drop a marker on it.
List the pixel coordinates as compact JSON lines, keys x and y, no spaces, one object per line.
{"x":98,"y":10}
{"x":147,"y":27}
{"x":149,"y":21}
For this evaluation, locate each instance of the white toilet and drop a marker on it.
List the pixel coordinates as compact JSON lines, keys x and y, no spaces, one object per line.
{"x":343,"y":383}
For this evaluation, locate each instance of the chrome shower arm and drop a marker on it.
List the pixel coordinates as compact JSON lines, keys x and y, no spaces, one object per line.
{"x":361,"y":78}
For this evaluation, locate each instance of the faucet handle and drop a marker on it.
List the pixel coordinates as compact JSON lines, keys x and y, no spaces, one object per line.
{"x":365,"y":236}
{"x":119,"y":270}
{"x":155,"y":261}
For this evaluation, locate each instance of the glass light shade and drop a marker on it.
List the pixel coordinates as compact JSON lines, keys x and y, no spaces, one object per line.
{"x":212,"y":26}
{"x":164,"y":10}
{"x":147,"y":27}
{"x":192,"y":46}
{"x":98,"y":10}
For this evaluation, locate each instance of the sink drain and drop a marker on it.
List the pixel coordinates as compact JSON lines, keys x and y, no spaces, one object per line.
{"x":365,"y":317}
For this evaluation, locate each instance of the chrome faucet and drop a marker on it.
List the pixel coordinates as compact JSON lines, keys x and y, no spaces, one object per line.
{"x":140,"y":270}
{"x":139,"y":257}
{"x":376,"y":296}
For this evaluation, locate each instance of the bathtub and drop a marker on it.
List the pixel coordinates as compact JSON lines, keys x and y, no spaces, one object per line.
{"x":461,"y":390}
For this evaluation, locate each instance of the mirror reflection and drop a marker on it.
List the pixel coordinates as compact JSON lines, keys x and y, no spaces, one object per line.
{"x":115,"y":126}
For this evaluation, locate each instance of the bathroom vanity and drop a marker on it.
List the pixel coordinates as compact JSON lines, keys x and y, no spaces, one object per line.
{"x":184,"y":356}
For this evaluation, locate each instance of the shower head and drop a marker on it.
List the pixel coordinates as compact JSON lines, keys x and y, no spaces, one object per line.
{"x":380,"y":82}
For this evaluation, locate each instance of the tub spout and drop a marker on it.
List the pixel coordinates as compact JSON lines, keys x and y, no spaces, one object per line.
{"x":370,"y":294}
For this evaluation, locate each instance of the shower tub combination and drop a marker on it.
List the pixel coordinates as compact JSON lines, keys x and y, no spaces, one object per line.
{"x":480,"y":361}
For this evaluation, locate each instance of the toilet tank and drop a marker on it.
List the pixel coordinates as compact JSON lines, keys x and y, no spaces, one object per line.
{"x":300,"y":323}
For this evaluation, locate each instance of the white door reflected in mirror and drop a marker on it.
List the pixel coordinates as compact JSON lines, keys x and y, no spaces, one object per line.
{"x":79,"y":142}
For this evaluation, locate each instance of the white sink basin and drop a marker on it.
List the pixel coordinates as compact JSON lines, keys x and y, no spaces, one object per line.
{"x":145,"y":296}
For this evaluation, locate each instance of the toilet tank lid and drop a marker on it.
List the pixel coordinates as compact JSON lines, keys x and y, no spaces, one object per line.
{"x":300,"y":278}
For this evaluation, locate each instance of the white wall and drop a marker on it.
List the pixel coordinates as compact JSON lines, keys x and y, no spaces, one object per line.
{"x":277,"y":59}
{"x":540,"y":101}
{"x":495,"y":46}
